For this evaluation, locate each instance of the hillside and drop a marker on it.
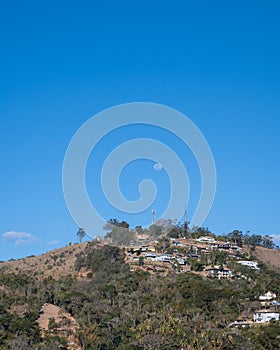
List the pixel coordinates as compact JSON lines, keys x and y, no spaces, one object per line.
{"x":158,"y":296}
{"x":270,"y":257}
{"x":55,"y":263}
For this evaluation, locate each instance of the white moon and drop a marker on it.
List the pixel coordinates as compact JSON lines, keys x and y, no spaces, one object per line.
{"x":158,"y":166}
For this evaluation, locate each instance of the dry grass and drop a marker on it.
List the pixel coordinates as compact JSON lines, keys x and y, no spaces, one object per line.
{"x":55,"y":263}
{"x":270,"y":257}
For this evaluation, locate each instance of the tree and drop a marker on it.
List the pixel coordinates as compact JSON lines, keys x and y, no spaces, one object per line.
{"x":123,"y":224}
{"x":139,"y":229}
{"x":52,"y":324}
{"x":197,"y":232}
{"x":155,"y":230}
{"x":118,"y":232}
{"x":81,"y":234}
{"x":111,"y":223}
{"x":109,"y":226}
{"x":175,"y":232}
{"x":255,"y":240}
{"x":236,"y":236}
{"x":121,"y":236}
{"x":267,"y":242}
{"x":141,"y":261}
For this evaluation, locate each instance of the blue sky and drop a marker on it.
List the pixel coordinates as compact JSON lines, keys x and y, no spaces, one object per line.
{"x":64,"y":61}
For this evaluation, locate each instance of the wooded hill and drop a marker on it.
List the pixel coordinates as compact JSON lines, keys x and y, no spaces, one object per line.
{"x":117,"y":308}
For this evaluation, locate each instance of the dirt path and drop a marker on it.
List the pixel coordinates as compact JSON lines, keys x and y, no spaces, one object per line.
{"x":67,"y":325}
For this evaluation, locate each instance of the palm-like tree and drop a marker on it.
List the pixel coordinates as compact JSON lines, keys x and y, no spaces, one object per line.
{"x":81,"y":233}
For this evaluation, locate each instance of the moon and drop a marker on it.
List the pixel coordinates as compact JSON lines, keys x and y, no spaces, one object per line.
{"x":158,"y":166}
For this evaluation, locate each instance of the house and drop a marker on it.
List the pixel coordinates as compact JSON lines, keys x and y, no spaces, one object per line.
{"x":262,"y":316}
{"x":142,"y":237}
{"x":219,"y":273}
{"x":163,"y":258}
{"x":180,"y":261}
{"x":206,"y":239}
{"x":151,"y":256}
{"x":241,"y":323}
{"x":133,"y":250}
{"x":235,"y":247}
{"x":225,"y":246}
{"x":144,"y":248}
{"x":203,"y":249}
{"x":251,"y":264}
{"x":267,"y":296}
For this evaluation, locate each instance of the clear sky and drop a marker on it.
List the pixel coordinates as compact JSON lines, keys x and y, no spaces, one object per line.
{"x":64,"y":61}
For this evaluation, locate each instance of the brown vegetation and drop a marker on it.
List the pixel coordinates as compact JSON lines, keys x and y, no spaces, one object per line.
{"x":55,"y":263}
{"x":268,"y":256}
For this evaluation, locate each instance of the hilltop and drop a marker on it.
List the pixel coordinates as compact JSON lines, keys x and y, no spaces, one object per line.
{"x":61,"y":262}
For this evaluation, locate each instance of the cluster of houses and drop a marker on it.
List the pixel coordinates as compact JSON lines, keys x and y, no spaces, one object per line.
{"x":202,"y":245}
{"x":164,"y":258}
{"x":213,"y":244}
{"x":269,"y":305}
{"x":222,"y":272}
{"x":267,"y":313}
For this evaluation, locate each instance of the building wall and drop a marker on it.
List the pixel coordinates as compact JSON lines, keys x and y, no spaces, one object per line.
{"x":265,"y":316}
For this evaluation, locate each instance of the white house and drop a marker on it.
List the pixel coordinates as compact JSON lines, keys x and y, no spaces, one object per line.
{"x":219,"y":273}
{"x":263,"y":316}
{"x":180,"y":261}
{"x":151,"y":256}
{"x":267,"y":296}
{"x":142,"y":237}
{"x":241,"y":323}
{"x":163,"y":258}
{"x":251,"y":264}
{"x":206,"y":239}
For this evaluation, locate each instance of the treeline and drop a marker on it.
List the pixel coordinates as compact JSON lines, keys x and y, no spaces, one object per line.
{"x":252,"y":240}
{"x":120,"y":234}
